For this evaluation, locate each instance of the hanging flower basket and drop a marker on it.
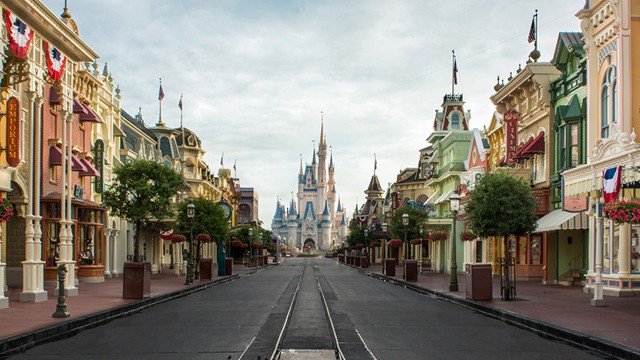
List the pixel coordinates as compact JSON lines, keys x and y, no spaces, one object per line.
{"x":244,"y":246}
{"x":6,"y":210}
{"x":395,"y":243}
{"x":166,"y":234}
{"x":359,"y":246}
{"x":256,"y":245}
{"x":468,"y":236}
{"x":622,"y":211}
{"x":237,"y":243}
{"x":439,"y":236}
{"x":205,"y":238}
{"x":375,"y":244}
{"x":176,"y":238}
{"x":416,"y":242}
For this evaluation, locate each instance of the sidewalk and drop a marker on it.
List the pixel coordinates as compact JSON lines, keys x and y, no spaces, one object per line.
{"x":23,"y":325}
{"x":554,"y":310}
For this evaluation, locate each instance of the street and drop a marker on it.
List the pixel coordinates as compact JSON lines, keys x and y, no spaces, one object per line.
{"x":245,"y":318}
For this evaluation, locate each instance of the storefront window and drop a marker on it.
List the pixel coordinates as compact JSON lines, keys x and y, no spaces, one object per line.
{"x":51,"y":233}
{"x":89,"y":235}
{"x":478,"y":251}
{"x":522,"y":250}
{"x":536,"y":246}
{"x":635,"y":249}
{"x":615,"y":245}
{"x":606,"y":254}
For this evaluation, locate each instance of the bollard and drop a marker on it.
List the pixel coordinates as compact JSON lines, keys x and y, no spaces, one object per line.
{"x":61,"y":307}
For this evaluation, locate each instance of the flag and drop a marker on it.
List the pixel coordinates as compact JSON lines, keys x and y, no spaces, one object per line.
{"x":455,"y":71}
{"x":375,"y":163}
{"x":19,"y":34}
{"x":234,"y":165}
{"x":532,"y":31}
{"x":160,"y":93}
{"x":55,"y":62}
{"x":222,"y":160}
{"x":180,"y":103}
{"x":611,"y":183}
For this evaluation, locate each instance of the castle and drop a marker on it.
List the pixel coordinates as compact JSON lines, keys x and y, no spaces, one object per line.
{"x":316,"y":221}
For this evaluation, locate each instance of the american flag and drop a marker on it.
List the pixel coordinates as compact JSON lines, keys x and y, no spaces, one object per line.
{"x":455,"y":71}
{"x":160,"y":93}
{"x":180,"y":103}
{"x":532,"y":31}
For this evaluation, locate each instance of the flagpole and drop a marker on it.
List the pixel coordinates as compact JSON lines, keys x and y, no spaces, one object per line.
{"x":181,"y":127}
{"x":160,"y":104}
{"x":535,"y":43}
{"x":454,"y":72}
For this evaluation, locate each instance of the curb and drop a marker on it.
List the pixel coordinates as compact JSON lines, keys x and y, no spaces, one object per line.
{"x":20,"y":343}
{"x":542,"y":328}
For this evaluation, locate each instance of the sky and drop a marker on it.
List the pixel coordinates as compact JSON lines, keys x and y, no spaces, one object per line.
{"x":257,"y":74}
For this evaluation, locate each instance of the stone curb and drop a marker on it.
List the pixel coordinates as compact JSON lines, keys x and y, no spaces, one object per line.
{"x":20,"y":343}
{"x":542,"y":328}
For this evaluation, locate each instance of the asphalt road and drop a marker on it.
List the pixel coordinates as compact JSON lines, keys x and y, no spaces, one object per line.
{"x":373,"y":319}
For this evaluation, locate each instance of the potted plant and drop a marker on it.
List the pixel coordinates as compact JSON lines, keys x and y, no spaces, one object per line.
{"x":439,"y":236}
{"x":623,"y":211}
{"x":6,"y":210}
{"x":416,"y":242}
{"x":204,"y":238}
{"x":468,"y":236}
{"x":176,"y":238}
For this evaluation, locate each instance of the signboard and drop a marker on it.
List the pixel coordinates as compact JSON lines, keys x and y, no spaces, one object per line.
{"x":13,"y":132}
{"x":575,"y":203}
{"x":511,"y":119}
{"x":98,"y":162}
{"x":226,"y":209}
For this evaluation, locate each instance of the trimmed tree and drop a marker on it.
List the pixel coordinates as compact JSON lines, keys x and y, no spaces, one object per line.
{"x":142,"y":191}
{"x":501,"y":206}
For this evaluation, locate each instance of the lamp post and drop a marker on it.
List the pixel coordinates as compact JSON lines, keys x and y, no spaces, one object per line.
{"x":454,"y":203}
{"x":405,"y":222}
{"x":383,"y":248}
{"x":366,"y":236}
{"x":191,"y":213}
{"x":250,"y":246}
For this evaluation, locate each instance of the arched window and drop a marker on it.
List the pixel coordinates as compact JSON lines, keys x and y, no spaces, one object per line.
{"x":608,"y":101}
{"x":165,"y":147}
{"x":455,"y":121}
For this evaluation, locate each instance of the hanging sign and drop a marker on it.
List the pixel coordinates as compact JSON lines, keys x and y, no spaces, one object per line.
{"x":98,"y":163}
{"x":13,"y":132}
{"x":511,"y":119}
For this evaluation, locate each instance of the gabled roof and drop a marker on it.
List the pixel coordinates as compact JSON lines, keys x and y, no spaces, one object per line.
{"x":309,"y":212}
{"x":374,"y":184}
{"x":568,"y":42}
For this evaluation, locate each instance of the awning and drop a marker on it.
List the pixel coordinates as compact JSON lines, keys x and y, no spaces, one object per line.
{"x":445,"y":197}
{"x":54,"y":98}
{"x":77,"y":165}
{"x":55,"y":156}
{"x":89,"y":115}
{"x":79,"y":108}
{"x":117,"y":131}
{"x":535,"y":147}
{"x":562,"y":220}
{"x":421,"y":198}
{"x":91,"y":171}
{"x":518,"y":151}
{"x":432,"y":199}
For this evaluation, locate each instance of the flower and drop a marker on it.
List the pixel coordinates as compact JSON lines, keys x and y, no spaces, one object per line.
{"x":416,"y":242}
{"x":623,"y":211}
{"x":203,"y":238}
{"x":359,"y":246}
{"x":395,"y":243}
{"x":176,"y":238}
{"x":6,"y":210}
{"x":468,"y":236}
{"x":375,"y":244}
{"x":256,"y":245}
{"x":237,"y":243}
{"x":439,"y":236}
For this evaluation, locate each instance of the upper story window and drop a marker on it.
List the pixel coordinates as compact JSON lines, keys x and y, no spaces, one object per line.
{"x":165,"y":147}
{"x":455,"y":121}
{"x":608,"y":101}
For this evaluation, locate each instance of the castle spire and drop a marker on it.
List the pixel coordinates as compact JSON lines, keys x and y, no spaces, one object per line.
{"x":323,"y":140}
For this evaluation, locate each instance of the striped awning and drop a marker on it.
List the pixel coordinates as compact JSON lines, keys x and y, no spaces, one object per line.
{"x":444,"y":197}
{"x":562,"y":220}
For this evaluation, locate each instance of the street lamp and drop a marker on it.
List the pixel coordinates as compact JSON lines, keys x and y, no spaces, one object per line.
{"x":191,"y":213}
{"x":405,"y":222}
{"x":366,"y":236}
{"x":250,"y":246}
{"x":385,"y":227}
{"x":454,"y":204}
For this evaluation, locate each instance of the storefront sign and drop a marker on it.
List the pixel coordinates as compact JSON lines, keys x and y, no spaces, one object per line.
{"x":98,"y":149}
{"x":575,"y":203}
{"x":13,"y":132}
{"x":511,"y":119}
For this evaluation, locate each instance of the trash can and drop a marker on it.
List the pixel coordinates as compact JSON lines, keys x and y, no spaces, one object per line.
{"x":411,"y":270}
{"x":390,"y":267}
{"x":229,"y":266}
{"x":341,"y":258}
{"x":364,"y":262}
{"x":356,"y":261}
{"x":206,"y":269}
{"x":136,"y":281}
{"x":479,"y":284}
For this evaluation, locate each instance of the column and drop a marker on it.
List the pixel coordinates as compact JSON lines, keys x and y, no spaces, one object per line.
{"x":624,"y":250}
{"x":67,"y":259}
{"x":114,"y":253}
{"x":4,"y":301}
{"x":598,"y":300}
{"x":107,"y":252}
{"x":32,"y":281}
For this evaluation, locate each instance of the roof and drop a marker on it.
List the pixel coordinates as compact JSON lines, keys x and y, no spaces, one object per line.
{"x":138,"y":123}
{"x":374,"y":184}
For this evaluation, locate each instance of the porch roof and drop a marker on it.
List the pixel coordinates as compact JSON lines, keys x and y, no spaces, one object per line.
{"x":562,"y":220}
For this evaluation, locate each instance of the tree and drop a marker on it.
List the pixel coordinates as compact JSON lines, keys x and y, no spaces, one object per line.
{"x":209,"y":219}
{"x":500,"y":206}
{"x":356,"y":232}
{"x":142,"y":191}
{"x":416,"y":218}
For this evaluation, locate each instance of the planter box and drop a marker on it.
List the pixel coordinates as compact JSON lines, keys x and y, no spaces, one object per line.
{"x":229,"y":266}
{"x":390,"y":267}
{"x":411,"y":270}
{"x":206,"y":269}
{"x":364,"y":262}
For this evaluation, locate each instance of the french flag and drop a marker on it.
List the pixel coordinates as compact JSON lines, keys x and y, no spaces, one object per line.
{"x":611,"y":183}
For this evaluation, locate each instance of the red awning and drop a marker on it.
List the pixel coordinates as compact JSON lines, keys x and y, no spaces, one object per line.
{"x":90,"y":115}
{"x":54,"y":98}
{"x":78,"y":107}
{"x":55,"y":155}
{"x":535,"y":147}
{"x":503,"y":161}
{"x":518,"y":152}
{"x":77,"y":165}
{"x":91,"y":171}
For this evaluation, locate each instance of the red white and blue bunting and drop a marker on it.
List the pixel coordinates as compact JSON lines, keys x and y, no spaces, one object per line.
{"x":55,"y":62}
{"x":19,"y":34}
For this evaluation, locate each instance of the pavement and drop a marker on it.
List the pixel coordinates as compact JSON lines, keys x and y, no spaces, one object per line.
{"x":553,"y":311}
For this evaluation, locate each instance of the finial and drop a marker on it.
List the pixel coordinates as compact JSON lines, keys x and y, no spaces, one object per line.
{"x":510,"y":76}
{"x":65,"y":13}
{"x":497,"y":87}
{"x":519,"y":68}
{"x":118,"y":92}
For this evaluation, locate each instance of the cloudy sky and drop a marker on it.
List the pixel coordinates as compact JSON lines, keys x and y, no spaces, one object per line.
{"x":256,"y":74}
